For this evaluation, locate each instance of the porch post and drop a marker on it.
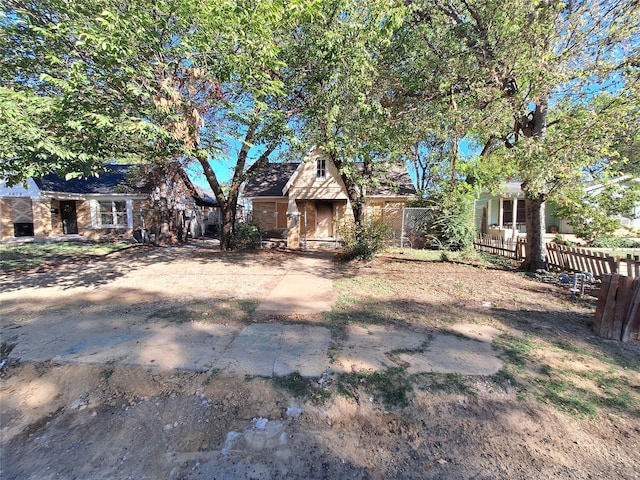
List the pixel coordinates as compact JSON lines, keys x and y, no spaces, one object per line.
{"x":514,"y":217}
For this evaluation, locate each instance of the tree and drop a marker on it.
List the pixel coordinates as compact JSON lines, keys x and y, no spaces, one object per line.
{"x":337,"y":85}
{"x":545,"y":79}
{"x":155,"y":80}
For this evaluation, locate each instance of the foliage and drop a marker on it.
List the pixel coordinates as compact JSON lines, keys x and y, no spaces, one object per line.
{"x":614,"y":242}
{"x":362,"y":242}
{"x":592,"y":215}
{"x":453,"y":227}
{"x":247,"y":235}
{"x":155,"y":81}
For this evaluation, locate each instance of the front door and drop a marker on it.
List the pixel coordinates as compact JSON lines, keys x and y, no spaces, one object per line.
{"x":323,"y":220}
{"x":69,"y":219}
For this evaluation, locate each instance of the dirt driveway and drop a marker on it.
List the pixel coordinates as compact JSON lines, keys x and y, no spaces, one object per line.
{"x":91,"y":410}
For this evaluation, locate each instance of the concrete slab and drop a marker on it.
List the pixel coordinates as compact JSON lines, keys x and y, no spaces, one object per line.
{"x":253,"y":351}
{"x":303,"y":349}
{"x":468,"y":351}
{"x":368,"y":348}
{"x":305,"y":288}
{"x":276,"y":349}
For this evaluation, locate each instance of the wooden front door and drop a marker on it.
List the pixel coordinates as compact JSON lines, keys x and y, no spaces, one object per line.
{"x":324,"y":227}
{"x":69,"y":218}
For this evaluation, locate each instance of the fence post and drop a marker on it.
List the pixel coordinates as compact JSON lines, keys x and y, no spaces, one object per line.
{"x":402,"y":230}
{"x":615,"y":264}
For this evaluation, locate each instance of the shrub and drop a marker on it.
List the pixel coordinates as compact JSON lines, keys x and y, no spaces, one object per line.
{"x":246,"y":235}
{"x":453,"y":227}
{"x":363,"y":241}
{"x":614,"y":242}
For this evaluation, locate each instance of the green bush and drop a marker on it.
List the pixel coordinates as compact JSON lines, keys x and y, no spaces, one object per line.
{"x":614,"y":242}
{"x":363,"y":241}
{"x":453,"y":227}
{"x":246,"y":235}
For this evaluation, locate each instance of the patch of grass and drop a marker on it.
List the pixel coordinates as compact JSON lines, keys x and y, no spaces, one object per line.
{"x":499,"y":261}
{"x":505,"y":378}
{"x":233,"y":311}
{"x":619,"y":361}
{"x":392,"y":386}
{"x":107,"y":372}
{"x":546,"y":370}
{"x":419,"y":349}
{"x":453,"y":383}
{"x":294,"y":383}
{"x":298,"y":386}
{"x":31,"y":255}
{"x":213,"y":373}
{"x":174,"y":314}
{"x":515,"y":350}
{"x":568,"y":397}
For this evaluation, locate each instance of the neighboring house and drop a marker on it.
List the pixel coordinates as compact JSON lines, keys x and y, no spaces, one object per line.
{"x":304,"y":202}
{"x":503,"y":215}
{"x":92,"y":208}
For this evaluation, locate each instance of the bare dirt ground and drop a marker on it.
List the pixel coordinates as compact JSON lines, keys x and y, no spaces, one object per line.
{"x":566,"y":405}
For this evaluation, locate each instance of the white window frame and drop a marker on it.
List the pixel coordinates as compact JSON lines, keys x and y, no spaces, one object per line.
{"x":96,"y":217}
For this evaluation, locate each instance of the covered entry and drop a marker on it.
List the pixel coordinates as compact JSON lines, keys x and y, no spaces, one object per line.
{"x":319,"y":219}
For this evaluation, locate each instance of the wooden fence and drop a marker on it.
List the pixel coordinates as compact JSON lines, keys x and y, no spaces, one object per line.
{"x":618,"y":308}
{"x":563,"y":258}
{"x":572,"y":259}
{"x":499,"y":246}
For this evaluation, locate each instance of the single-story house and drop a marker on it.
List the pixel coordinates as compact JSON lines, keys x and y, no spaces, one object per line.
{"x":503,"y":215}
{"x":92,"y":208}
{"x":305,"y":202}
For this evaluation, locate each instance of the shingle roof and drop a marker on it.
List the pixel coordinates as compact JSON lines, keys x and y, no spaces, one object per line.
{"x":107,"y":183}
{"x":393,"y":180}
{"x":270,"y":181}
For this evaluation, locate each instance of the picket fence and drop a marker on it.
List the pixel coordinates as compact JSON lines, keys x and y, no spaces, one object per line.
{"x":563,"y":258}
{"x":500,"y":246}
{"x":573,"y":259}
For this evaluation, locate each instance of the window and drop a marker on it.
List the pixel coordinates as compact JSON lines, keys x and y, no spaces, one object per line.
{"x":321,"y":168}
{"x":112,"y":214}
{"x":507,"y":212}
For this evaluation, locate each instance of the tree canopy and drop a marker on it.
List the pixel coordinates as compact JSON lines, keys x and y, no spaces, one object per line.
{"x":550,"y":89}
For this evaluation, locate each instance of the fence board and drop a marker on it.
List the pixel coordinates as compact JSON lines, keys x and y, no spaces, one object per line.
{"x":633,"y":265}
{"x":623,"y":299}
{"x":618,"y":308}
{"x":631,"y":330}
{"x":602,"y":301}
{"x":500,"y":246}
{"x":574,"y":259}
{"x":609,"y":306}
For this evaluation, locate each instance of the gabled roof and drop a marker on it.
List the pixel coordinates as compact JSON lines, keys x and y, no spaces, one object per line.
{"x":204,"y":198}
{"x":112,"y":181}
{"x":271,"y":180}
{"x":393,"y":181}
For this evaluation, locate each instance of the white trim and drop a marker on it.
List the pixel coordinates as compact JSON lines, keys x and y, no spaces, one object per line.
{"x":313,"y":151}
{"x":292,"y":178}
{"x":92,"y":196}
{"x":266,"y":198}
{"x":95,"y":213}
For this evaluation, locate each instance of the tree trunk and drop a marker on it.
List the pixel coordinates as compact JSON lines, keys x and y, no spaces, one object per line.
{"x":534,"y":202}
{"x":227,"y":230}
{"x":534,"y":217}
{"x":164,"y":235}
